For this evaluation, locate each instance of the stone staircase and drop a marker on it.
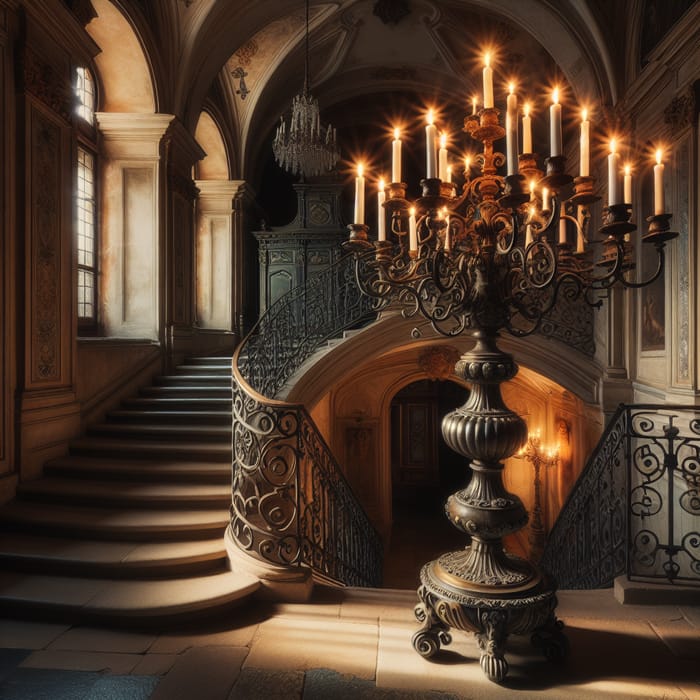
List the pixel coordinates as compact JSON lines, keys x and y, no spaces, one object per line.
{"x":129,"y":525}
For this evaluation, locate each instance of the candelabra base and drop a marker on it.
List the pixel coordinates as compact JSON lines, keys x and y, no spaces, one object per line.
{"x":448,"y":600}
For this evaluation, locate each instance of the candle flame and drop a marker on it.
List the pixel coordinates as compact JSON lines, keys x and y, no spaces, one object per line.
{"x":397,"y":132}
{"x":526,"y":109}
{"x":381,"y":184}
{"x":659,"y":154}
{"x":584,"y":114}
{"x":487,"y":59}
{"x":555,"y":96}
{"x":613,"y":146}
{"x":467,"y":162}
{"x":628,"y":169}
{"x":532,"y":212}
{"x":360,"y":169}
{"x":474,"y":101}
{"x":443,"y":140}
{"x":430,"y":116}
{"x":532,"y":186}
{"x":511,"y":88}
{"x":412,"y":211}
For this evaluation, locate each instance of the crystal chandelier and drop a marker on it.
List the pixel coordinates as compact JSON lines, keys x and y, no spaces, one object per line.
{"x":307,"y":147}
{"x":496,"y":256}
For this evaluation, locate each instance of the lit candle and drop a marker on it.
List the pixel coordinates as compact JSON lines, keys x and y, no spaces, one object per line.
{"x":628,"y":184}
{"x":430,"y":136}
{"x":527,"y":129}
{"x":473,"y":105}
{"x":545,"y":199}
{"x":613,"y":168}
{"x":555,"y":125}
{"x":412,"y":232}
{"x":579,"y":229}
{"x":659,"y":203}
{"x":562,"y":224}
{"x":449,"y":173}
{"x":584,"y":167}
{"x":512,"y":131}
{"x":532,"y":190}
{"x":448,"y":237}
{"x":442,"y":158}
{"x":360,"y":196}
{"x":488,"y":82}
{"x":381,"y":215}
{"x":528,"y":228}
{"x":467,"y":166}
{"x":396,"y":157}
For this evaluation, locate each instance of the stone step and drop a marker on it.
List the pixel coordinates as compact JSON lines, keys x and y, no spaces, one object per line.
{"x":54,"y":489}
{"x":179,"y":417}
{"x":140,"y":469}
{"x":114,"y":523}
{"x":144,"y":449}
{"x":145,"y":602}
{"x":98,"y":558}
{"x":184,"y":403}
{"x":218,"y":370}
{"x":218,"y":360}
{"x":187,"y":392}
{"x":194,"y":380}
{"x":210,"y":433}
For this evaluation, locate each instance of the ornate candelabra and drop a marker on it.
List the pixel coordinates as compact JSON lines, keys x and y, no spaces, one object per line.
{"x":539,"y":457}
{"x":485,"y":261}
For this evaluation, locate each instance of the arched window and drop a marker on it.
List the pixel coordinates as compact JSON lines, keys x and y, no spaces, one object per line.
{"x":85,"y":201}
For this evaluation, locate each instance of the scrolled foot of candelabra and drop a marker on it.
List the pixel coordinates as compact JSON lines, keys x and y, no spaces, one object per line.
{"x":492,"y":644}
{"x":428,"y":639}
{"x":551,"y":640}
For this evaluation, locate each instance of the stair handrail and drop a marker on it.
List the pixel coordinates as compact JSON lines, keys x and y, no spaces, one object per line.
{"x":292,"y":505}
{"x":635,"y":508}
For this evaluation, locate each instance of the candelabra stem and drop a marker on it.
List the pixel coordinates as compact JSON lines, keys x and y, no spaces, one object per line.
{"x":482,"y":588}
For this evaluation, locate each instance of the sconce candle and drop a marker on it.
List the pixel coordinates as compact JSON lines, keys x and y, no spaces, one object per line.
{"x":488,"y":82}
{"x":474,"y":105}
{"x":512,"y":131}
{"x":412,"y":231}
{"x":467,"y":166}
{"x":360,"y":196}
{"x":442,"y":158}
{"x":613,"y":169}
{"x":430,"y":136}
{"x":580,"y":246}
{"x":628,"y":184}
{"x":527,"y":129}
{"x":545,"y":199}
{"x":381,"y":216}
{"x":449,"y":173}
{"x":584,"y":167}
{"x":555,"y":125}
{"x":448,"y":238}
{"x":562,"y":224}
{"x":396,"y":157}
{"x":659,"y":203}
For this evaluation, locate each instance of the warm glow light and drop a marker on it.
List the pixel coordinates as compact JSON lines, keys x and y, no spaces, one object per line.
{"x":555,"y":96}
{"x":430,"y":117}
{"x":487,"y":59}
{"x":474,"y":101}
{"x":381,"y":184}
{"x":526,"y":109}
{"x":360,"y":170}
{"x":628,"y":169}
{"x":532,"y":186}
{"x":444,"y":212}
{"x":532,"y":212}
{"x":659,"y":154}
{"x":443,"y":140}
{"x":397,"y":132}
{"x":467,"y":162}
{"x":584,"y":114}
{"x":613,"y":146}
{"x":511,"y":88}
{"x":412,"y":211}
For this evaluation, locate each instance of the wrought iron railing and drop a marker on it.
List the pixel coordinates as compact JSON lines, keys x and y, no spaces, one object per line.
{"x":291,"y":504}
{"x":635,"y":510}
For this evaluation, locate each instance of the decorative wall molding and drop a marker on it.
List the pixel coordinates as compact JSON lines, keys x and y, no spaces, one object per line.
{"x":45,"y":83}
{"x":683,"y":109}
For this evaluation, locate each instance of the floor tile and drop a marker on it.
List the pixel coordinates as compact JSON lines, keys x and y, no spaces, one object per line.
{"x":259,"y":684}
{"x":154,"y":664}
{"x":123,"y":688}
{"x":682,"y":638}
{"x":103,"y":640}
{"x":208,"y":673}
{"x":47,"y":684}
{"x":29,"y":635}
{"x":82,"y":661}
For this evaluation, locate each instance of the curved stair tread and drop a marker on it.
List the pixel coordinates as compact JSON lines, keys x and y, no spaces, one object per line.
{"x":131,"y":523}
{"x":159,"y":431}
{"x":63,"y":550}
{"x":136,"y":492}
{"x":221,"y":450}
{"x":119,"y":599}
{"x":175,"y":414}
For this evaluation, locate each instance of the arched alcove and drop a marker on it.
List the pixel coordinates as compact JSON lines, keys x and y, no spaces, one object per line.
{"x":215,"y":165}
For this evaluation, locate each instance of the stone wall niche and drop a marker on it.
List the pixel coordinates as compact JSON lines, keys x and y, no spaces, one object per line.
{"x":131,"y":215}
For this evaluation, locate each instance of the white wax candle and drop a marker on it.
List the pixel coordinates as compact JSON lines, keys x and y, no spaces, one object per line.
{"x":579,"y":230}
{"x":527,"y":129}
{"x":532,"y":190}
{"x":359,"y":196}
{"x":659,"y":203}
{"x":562,"y":223}
{"x":488,"y":82}
{"x":512,"y":131}
{"x":430,"y":136}
{"x":381,"y":214}
{"x":412,"y":232}
{"x":473,"y":105}
{"x":628,"y":185}
{"x":396,"y":157}
{"x":467,"y":167}
{"x":442,"y":158}
{"x":449,"y":173}
{"x":546,"y":205}
{"x":613,"y":168}
{"x":555,"y":125}
{"x":584,"y":168}
{"x":448,"y":235}
{"x":528,"y":235}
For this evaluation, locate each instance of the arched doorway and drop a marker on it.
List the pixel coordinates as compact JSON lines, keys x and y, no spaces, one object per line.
{"x":424,"y":471}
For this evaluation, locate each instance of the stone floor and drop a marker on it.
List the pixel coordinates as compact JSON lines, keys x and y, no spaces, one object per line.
{"x":351,"y":644}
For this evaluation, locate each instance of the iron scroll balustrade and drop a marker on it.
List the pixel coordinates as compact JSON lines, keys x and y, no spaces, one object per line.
{"x":635,"y":509}
{"x":482,"y":262}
